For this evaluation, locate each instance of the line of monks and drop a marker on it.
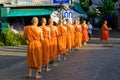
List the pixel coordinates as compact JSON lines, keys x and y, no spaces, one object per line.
{"x":48,"y":42}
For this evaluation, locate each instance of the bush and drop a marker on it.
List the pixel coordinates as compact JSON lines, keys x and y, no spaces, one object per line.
{"x":19,"y":37}
{"x":1,"y":44}
{"x":8,"y":38}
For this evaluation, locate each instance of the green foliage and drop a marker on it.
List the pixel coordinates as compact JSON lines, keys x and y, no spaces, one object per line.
{"x":1,"y":44}
{"x":85,"y":4}
{"x":107,"y":8}
{"x":91,"y":13}
{"x":19,"y":37}
{"x":11,"y":39}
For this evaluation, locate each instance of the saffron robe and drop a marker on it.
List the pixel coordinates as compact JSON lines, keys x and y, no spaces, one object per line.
{"x":34,"y":53}
{"x":62,"y":40}
{"x":53,"y":44}
{"x":69,"y":33}
{"x":85,"y":33}
{"x":105,"y":32}
{"x":72,"y":35}
{"x":78,"y":36}
{"x":45,"y":46}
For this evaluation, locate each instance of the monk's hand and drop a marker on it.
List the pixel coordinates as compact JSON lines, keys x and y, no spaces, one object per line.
{"x":110,"y":28}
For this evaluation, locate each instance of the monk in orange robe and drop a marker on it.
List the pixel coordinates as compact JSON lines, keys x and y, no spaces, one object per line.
{"x":45,"y":44}
{"x":53,"y":41}
{"x":105,"y":33}
{"x":62,"y":32}
{"x":34,"y":54}
{"x":72,"y":36}
{"x":78,"y":35}
{"x":69,"y":33}
{"x":85,"y":33}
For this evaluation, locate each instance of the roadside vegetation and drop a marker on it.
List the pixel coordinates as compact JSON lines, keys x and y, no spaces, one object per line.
{"x":8,"y":38}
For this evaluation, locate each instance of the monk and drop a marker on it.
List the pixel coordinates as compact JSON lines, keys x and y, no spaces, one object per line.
{"x":69,"y":35}
{"x":45,"y":44}
{"x":78,"y":34}
{"x":53,"y":41}
{"x":85,"y":33}
{"x":72,"y":36}
{"x":62,"y":32}
{"x":34,"y":54}
{"x":105,"y":33}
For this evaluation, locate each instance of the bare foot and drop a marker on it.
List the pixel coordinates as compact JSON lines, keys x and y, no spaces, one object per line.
{"x":54,"y":65}
{"x":38,"y":77}
{"x":47,"y":69}
{"x":28,"y":76}
{"x":109,"y":45}
{"x":59,"y":60}
{"x":64,"y":58}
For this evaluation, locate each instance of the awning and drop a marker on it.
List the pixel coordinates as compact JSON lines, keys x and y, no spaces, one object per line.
{"x":79,"y":9}
{"x":29,"y":12}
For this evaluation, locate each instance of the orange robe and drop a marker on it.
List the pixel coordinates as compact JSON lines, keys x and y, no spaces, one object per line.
{"x":45,"y":46}
{"x":69,"y":30}
{"x":105,"y":33}
{"x":72,"y":36}
{"x":34,"y":54}
{"x":85,"y":33}
{"x":78,"y":37}
{"x":53,"y":44}
{"x":62,"y":40}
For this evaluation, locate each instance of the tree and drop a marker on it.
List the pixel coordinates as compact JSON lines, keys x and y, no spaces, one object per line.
{"x":90,"y":2}
{"x":91,"y":13}
{"x":107,"y":8}
{"x":85,"y":4}
{"x":115,"y":0}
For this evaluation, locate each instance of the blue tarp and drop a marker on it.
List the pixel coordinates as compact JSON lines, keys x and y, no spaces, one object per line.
{"x":110,"y":17}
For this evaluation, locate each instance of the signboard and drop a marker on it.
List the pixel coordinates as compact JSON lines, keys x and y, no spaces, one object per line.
{"x":60,"y":1}
{"x":68,"y":15}
{"x":41,"y":0}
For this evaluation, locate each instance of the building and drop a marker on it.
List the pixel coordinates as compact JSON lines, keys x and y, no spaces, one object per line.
{"x":17,"y":13}
{"x":117,"y":8}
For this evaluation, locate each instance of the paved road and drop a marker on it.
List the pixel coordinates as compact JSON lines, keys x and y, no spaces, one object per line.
{"x":91,"y":62}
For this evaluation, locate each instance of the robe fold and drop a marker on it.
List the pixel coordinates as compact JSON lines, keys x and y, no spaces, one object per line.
{"x":45,"y":46}
{"x":53,"y":44}
{"x":69,"y":36}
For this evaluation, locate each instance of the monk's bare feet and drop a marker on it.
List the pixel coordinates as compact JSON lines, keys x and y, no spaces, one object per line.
{"x":47,"y":69}
{"x":64,"y":58}
{"x":39,"y":72}
{"x":54,"y":65}
{"x":59,"y":59}
{"x":38,"y":77}
{"x":28,"y":76}
{"x":109,"y":45}
{"x":77,"y":48}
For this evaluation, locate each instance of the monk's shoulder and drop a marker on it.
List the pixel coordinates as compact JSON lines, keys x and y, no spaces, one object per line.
{"x":27,"y":27}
